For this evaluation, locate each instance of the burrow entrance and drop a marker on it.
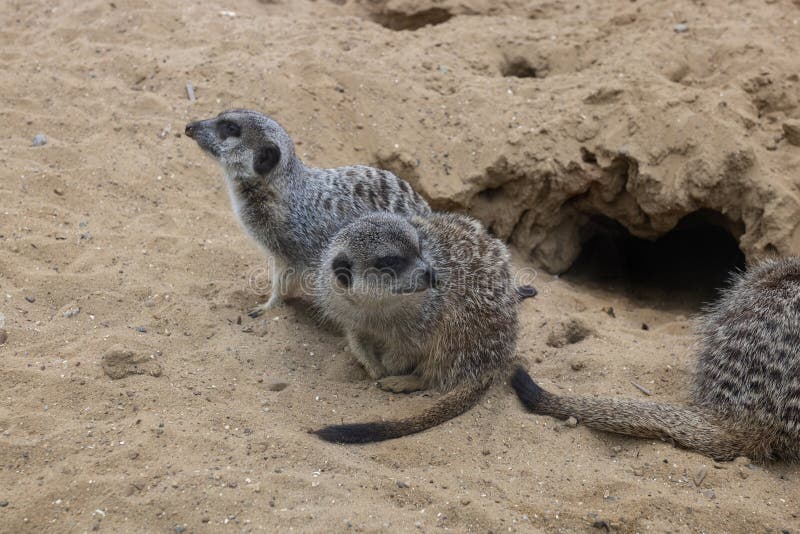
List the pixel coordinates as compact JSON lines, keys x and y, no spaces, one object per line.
{"x":684,"y":268}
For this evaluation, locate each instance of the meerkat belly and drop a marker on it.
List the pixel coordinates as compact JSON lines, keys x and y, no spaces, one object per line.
{"x":399,"y":352}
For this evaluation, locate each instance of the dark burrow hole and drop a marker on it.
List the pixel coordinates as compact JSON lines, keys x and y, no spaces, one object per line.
{"x":518,"y":67}
{"x":412,"y":21}
{"x":683,"y":269}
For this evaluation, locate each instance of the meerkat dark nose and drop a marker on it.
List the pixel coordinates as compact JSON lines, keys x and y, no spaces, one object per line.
{"x":190,"y":129}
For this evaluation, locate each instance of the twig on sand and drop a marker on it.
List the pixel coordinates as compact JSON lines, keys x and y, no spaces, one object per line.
{"x":190,"y":92}
{"x":641,"y":388}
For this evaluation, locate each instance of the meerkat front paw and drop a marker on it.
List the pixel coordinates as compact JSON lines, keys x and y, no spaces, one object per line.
{"x":273,"y":302}
{"x":401,"y":383}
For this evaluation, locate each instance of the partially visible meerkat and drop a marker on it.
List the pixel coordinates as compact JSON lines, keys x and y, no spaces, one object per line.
{"x":425,"y":303}
{"x":289,"y":209}
{"x":746,"y":391}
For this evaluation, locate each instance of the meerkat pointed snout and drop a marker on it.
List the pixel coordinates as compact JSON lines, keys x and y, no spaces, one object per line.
{"x":746,"y":391}
{"x":292,"y":210}
{"x":245,"y":143}
{"x":425,"y":303}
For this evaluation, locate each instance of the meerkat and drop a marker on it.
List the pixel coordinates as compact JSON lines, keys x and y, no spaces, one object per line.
{"x":746,"y":390}
{"x":426,"y":303}
{"x":289,"y":209}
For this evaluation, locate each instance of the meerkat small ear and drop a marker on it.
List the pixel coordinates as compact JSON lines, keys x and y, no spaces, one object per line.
{"x":343,"y":270}
{"x":266,"y":158}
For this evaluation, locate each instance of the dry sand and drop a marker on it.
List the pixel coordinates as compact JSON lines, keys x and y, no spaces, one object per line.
{"x":121,"y":216}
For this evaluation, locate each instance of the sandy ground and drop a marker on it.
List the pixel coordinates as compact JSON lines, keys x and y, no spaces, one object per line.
{"x":120,"y":216}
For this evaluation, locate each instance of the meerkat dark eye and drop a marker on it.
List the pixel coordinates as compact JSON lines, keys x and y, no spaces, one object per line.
{"x":342,"y":270}
{"x":226,"y":129}
{"x":390,"y":263}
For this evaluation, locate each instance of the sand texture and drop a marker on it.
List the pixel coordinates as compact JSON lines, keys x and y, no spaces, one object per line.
{"x":136,"y":394}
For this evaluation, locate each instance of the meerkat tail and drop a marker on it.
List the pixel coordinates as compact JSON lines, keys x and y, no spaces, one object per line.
{"x":526,"y":292}
{"x":450,"y":405}
{"x":689,"y":428}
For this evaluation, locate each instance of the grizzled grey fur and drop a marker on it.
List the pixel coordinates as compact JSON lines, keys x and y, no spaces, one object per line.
{"x":291,"y":210}
{"x":746,"y":391}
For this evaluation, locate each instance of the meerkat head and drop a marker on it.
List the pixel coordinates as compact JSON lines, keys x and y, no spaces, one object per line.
{"x":246,"y":143}
{"x":377,"y":260}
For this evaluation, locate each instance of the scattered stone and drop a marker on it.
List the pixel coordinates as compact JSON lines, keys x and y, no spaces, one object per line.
{"x":30,"y":299}
{"x":179,"y":529}
{"x":39,"y":140}
{"x":3,"y":336}
{"x":71,"y":312}
{"x":58,"y":191}
{"x":681,"y":27}
{"x":401,"y":484}
{"x":791,"y":129}
{"x":571,"y":422}
{"x":3,"y":504}
{"x":465,"y":502}
{"x":278,"y":386}
{"x":610,"y":311}
{"x":577,"y":365}
{"x":700,"y":475}
{"x":122,"y":363}
{"x":141,"y":329}
{"x":601,"y":525}
{"x":645,"y":326}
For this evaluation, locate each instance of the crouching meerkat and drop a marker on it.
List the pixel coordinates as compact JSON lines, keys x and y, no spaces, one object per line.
{"x":746,"y":391}
{"x":287,"y":208}
{"x":425,"y":303}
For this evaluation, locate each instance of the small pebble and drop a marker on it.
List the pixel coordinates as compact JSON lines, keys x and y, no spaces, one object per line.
{"x":791,"y":129}
{"x":141,"y":329}
{"x":30,"y":299}
{"x":178,"y":529}
{"x":3,"y":504}
{"x":39,"y":140}
{"x":3,"y":336}
{"x":401,"y":484}
{"x":278,"y":386}
{"x":571,"y":422}
{"x":681,"y":27}
{"x":72,"y":312}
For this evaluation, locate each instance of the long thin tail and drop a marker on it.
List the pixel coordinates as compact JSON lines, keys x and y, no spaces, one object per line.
{"x":689,"y":428}
{"x":451,"y":404}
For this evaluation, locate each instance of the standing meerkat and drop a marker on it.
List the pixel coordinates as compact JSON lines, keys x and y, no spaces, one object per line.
{"x":289,"y":209}
{"x":425,"y":303}
{"x":746,"y":392}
